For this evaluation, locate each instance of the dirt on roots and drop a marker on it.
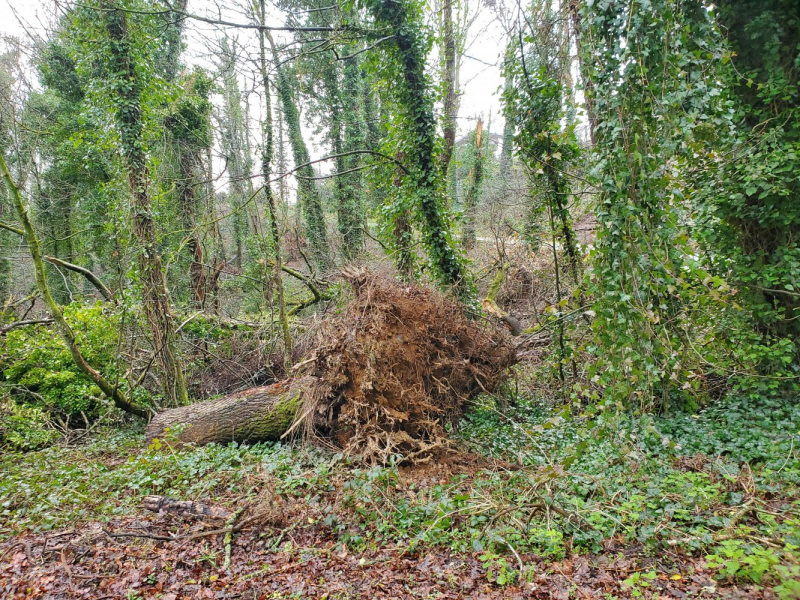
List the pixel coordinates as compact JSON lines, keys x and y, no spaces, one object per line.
{"x":400,"y":361}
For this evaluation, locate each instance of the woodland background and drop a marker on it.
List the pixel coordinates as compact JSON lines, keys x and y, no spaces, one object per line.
{"x":174,"y":226}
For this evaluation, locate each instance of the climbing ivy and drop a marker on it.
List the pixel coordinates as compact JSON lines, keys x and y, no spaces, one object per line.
{"x":401,"y":64}
{"x":749,"y":189}
{"x":650,"y":63}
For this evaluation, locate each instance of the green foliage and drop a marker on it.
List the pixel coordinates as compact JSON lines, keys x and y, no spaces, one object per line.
{"x":39,"y":368}
{"x":498,"y":570}
{"x":56,"y":486}
{"x":190,"y":119}
{"x":640,"y":581}
{"x":749,"y":193}
{"x":760,"y":432}
{"x":650,"y":65}
{"x":741,"y":561}
{"x":583,"y":481}
{"x":407,"y":93}
{"x":23,"y":428}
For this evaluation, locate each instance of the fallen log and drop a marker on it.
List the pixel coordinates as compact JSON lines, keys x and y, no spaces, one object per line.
{"x":257,"y":414}
{"x":381,"y":377}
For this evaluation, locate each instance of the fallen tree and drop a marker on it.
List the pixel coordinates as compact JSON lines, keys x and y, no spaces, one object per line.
{"x":381,"y":377}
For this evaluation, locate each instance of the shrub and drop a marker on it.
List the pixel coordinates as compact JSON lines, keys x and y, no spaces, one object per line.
{"x":23,"y":427}
{"x":40,"y":368}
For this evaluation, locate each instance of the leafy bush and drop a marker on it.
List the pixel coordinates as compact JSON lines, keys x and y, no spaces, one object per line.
{"x":23,"y":427}
{"x":740,"y":561}
{"x":38,"y":364}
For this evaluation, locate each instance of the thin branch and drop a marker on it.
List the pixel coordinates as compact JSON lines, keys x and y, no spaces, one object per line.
{"x":11,"y":228}
{"x":224,"y":23}
{"x":367,"y":49}
{"x":10,"y":326}
{"x":91,"y":277}
{"x":337,"y":174}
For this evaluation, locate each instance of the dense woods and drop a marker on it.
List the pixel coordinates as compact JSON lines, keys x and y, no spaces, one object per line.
{"x":260,"y":257}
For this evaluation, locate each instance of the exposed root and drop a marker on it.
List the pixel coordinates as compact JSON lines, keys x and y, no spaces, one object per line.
{"x":395,"y":366}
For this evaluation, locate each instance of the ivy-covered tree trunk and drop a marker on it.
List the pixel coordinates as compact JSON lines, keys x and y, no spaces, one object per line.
{"x":759,"y":216}
{"x":190,"y":128}
{"x":233,"y":147}
{"x":473,"y":193}
{"x":307,"y":194}
{"x":189,"y":125}
{"x":330,"y":83}
{"x":6,"y":238}
{"x":155,"y":297}
{"x":450,"y":80}
{"x":266,"y":172}
{"x":190,"y":174}
{"x":643,"y":258}
{"x":372,"y":134}
{"x":509,"y":130}
{"x":354,"y":225}
{"x":414,"y":102}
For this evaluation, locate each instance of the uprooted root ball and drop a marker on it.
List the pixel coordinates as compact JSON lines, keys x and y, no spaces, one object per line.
{"x":397,"y":364}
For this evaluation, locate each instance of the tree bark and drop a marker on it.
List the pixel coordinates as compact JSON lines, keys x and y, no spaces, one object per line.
{"x":266,"y":172}
{"x":471,"y":200}
{"x":91,"y":277}
{"x":451,"y":88}
{"x":254,"y":415}
{"x":307,"y":193}
{"x":588,"y":85}
{"x":416,"y":111}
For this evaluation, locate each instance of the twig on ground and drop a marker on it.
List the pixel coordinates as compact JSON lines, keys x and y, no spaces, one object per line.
{"x":229,"y":536}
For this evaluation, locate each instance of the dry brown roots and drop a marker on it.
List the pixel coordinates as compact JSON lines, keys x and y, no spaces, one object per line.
{"x":398,"y":363}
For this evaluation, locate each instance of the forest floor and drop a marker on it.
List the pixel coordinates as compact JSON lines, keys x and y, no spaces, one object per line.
{"x":536,"y":503}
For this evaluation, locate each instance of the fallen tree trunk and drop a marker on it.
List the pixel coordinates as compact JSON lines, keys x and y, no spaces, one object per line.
{"x":382,"y":377}
{"x":257,"y":414}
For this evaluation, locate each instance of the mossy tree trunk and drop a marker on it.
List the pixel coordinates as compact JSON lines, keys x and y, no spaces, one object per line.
{"x":254,"y":415}
{"x":307,"y":194}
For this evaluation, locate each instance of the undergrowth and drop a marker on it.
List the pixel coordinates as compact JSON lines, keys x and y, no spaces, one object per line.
{"x":720,"y":484}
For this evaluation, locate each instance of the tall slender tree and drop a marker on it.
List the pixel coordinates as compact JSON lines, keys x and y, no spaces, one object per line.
{"x":412,"y":98}
{"x":126,"y":85}
{"x":473,"y":192}
{"x":266,"y":172}
{"x":307,"y":193}
{"x":234,"y":145}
